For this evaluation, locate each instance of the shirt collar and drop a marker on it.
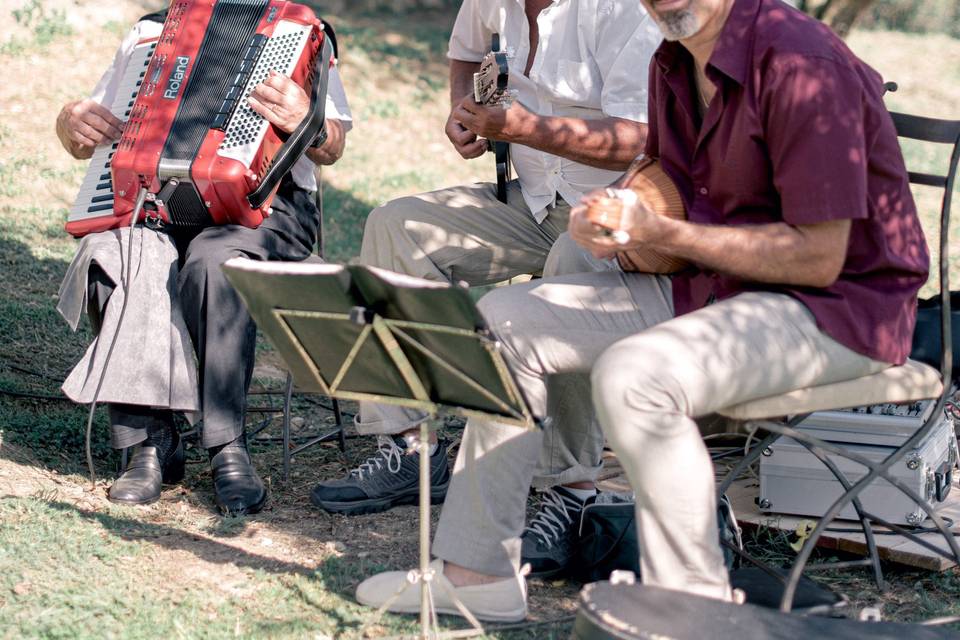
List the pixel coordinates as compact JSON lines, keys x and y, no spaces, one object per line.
{"x":731,"y":56}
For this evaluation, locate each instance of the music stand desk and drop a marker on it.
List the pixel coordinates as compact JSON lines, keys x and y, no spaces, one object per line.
{"x":362,"y":333}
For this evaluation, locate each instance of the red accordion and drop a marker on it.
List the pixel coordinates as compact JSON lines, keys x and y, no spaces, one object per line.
{"x":192,"y":147}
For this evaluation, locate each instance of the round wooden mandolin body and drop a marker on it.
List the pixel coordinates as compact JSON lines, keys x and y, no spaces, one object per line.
{"x":656,"y":191}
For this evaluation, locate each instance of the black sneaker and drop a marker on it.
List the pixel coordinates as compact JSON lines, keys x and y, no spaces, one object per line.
{"x":387,"y":479}
{"x":548,"y":543}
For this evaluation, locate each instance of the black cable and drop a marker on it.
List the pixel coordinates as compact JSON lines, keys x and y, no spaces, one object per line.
{"x":30,"y":372}
{"x":125,"y":282}
{"x":33,"y":396}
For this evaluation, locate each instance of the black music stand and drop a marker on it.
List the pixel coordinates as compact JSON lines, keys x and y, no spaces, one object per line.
{"x":362,"y":333}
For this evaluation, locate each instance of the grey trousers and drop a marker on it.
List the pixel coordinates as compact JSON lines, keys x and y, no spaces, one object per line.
{"x":464,"y":234}
{"x":222,"y":332}
{"x":651,"y":375}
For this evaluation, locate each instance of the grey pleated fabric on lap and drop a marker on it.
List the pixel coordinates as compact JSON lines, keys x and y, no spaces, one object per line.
{"x":153,"y":362}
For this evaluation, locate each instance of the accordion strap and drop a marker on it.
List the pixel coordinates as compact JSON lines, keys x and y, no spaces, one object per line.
{"x":305,"y":133}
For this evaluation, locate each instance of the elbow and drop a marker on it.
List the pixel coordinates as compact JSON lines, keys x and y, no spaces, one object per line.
{"x":825,"y":272}
{"x":822,"y":253}
{"x":338,"y":152}
{"x":337,"y":140}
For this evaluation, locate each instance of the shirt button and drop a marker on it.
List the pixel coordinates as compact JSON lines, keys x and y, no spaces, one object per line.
{"x":704,"y":191}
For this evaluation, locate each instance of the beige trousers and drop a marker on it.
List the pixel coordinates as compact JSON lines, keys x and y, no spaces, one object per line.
{"x":651,"y":375}
{"x":465,"y":234}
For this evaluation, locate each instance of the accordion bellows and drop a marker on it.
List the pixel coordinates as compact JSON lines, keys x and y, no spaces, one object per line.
{"x":656,"y":191}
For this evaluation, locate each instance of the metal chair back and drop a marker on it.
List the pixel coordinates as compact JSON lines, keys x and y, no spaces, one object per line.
{"x":927,"y":130}
{"x":941,"y":132}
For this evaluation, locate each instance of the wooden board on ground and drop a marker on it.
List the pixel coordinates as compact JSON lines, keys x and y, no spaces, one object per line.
{"x":893,"y":548}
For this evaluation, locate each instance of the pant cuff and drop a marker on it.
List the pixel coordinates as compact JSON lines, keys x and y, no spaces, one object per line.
{"x":487,"y":557}
{"x":386,"y":427}
{"x":578,"y":473}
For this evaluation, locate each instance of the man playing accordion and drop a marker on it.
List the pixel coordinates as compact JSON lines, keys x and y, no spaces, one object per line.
{"x":180,"y":296}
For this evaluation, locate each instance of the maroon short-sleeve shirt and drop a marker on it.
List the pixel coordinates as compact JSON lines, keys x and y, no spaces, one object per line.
{"x":797,"y":133}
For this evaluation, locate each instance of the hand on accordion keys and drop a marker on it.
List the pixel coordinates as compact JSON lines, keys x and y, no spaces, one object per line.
{"x":82,"y":125}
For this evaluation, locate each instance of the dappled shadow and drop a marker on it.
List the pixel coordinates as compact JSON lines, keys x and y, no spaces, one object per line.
{"x":418,"y":37}
{"x":47,"y":432}
{"x":175,"y":539}
{"x":37,"y":349}
{"x":343,"y":218}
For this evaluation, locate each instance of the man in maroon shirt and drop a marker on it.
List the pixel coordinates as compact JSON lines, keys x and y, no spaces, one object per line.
{"x":807,"y":247}
{"x":801,"y":221}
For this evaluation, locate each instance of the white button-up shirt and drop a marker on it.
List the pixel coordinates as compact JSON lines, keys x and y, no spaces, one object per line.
{"x":303,"y":170}
{"x":591,"y":62}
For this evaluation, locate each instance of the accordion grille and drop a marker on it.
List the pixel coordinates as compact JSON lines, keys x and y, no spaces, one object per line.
{"x":246,"y":124}
{"x":228,"y":32}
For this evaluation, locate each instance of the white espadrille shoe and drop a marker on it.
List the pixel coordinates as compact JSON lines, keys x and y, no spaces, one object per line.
{"x":502,"y":601}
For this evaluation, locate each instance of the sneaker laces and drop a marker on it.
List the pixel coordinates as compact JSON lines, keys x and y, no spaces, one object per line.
{"x":387,"y":451}
{"x":555,"y":516}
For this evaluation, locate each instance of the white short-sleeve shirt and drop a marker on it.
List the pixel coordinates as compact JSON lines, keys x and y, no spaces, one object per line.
{"x":302,"y":172}
{"x":591,"y":62}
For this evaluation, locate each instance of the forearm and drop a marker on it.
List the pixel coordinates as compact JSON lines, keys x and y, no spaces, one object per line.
{"x":461,"y":80}
{"x":606,"y":143}
{"x":809,"y":255}
{"x":332,"y":148}
{"x":75,"y":149}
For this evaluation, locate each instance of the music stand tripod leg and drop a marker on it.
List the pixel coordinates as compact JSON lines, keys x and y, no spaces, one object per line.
{"x":429,"y":628}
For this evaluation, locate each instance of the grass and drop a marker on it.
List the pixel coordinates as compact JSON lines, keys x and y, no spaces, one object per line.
{"x":41,"y":25}
{"x":74,"y":566}
{"x":104,"y":558}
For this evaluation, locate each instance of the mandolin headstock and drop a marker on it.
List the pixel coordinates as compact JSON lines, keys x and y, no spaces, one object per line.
{"x":490,"y":82}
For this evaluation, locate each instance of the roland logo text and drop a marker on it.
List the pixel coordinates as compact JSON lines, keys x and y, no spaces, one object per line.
{"x":176,"y":77}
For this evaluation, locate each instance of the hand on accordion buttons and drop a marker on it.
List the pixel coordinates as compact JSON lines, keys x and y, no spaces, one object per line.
{"x":281,"y":101}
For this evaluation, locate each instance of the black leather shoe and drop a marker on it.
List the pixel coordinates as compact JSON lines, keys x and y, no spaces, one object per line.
{"x":237,"y":489}
{"x":141,"y":481}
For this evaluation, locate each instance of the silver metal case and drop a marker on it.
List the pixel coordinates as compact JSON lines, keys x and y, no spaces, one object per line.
{"x":793,"y":481}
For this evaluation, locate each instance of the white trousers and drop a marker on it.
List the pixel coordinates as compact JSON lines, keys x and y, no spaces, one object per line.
{"x":465,"y":234}
{"x":651,"y":375}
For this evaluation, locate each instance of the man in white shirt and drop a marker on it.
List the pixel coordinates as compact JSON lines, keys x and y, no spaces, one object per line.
{"x":179,"y":272}
{"x":578,"y":68}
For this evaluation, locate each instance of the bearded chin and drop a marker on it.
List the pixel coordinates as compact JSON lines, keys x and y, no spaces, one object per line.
{"x":677,"y":25}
